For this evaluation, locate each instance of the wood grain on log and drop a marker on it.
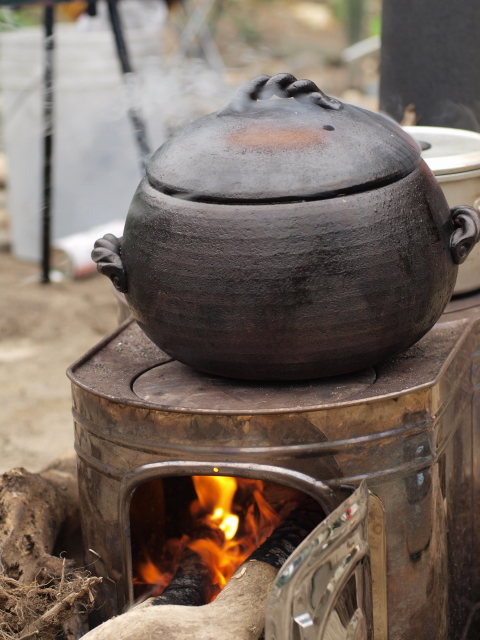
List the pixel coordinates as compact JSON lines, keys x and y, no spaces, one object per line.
{"x":33,"y":509}
{"x":238,"y":613}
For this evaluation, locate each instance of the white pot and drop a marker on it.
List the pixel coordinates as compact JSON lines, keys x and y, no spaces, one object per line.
{"x":454,"y":158}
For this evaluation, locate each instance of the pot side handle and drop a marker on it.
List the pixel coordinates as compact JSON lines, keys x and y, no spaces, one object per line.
{"x":107,"y":255}
{"x":466,"y":233}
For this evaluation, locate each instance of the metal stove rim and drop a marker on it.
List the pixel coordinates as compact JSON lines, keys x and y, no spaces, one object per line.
{"x":144,"y":404}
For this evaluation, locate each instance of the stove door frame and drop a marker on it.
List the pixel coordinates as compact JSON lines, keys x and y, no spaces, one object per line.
{"x":314,"y":488}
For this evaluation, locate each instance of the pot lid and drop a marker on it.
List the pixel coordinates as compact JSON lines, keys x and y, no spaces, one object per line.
{"x":448,"y":151}
{"x":308,"y":146}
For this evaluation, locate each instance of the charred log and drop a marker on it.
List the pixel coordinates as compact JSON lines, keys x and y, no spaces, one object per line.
{"x":289,"y":534}
{"x":239,"y":609}
{"x":191,"y":585}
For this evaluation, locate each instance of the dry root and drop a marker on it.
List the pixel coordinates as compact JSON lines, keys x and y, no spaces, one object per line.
{"x":38,"y":591}
{"x":34,"y":508}
{"x":37,"y":610}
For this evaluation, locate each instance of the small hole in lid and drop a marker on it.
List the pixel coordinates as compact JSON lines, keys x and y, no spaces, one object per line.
{"x":328,"y":127}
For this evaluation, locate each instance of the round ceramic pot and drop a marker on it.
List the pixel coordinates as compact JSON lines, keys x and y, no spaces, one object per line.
{"x":288,"y":239}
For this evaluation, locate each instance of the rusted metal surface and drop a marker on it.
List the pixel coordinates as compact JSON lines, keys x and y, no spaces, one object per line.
{"x":111,"y":368}
{"x":378,"y":560}
{"x":412,"y":434}
{"x":176,"y":386}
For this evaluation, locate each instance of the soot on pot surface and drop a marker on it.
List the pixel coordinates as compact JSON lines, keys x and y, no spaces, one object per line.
{"x":289,"y":236}
{"x":190,"y":534}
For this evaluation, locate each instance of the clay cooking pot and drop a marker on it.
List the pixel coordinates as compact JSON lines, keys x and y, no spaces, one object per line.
{"x":282,"y":239}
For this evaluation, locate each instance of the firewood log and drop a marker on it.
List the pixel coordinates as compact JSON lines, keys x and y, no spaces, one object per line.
{"x":34,"y":507}
{"x":238,"y":612}
{"x":288,"y":535}
{"x":191,"y":585}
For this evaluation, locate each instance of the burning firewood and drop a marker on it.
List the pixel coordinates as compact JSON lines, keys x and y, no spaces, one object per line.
{"x":35,"y":507}
{"x":239,"y":609}
{"x":221,"y":527}
{"x":191,"y":585}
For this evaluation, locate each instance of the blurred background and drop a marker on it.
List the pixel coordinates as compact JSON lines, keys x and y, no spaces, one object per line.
{"x":188,"y":57}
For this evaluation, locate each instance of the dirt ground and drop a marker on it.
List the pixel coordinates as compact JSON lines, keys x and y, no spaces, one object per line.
{"x":43,"y":329}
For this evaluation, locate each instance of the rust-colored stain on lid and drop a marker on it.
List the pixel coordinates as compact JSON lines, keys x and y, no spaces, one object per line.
{"x":262,"y":137}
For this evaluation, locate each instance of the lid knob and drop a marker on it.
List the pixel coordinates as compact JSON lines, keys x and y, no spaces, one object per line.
{"x":283,"y":85}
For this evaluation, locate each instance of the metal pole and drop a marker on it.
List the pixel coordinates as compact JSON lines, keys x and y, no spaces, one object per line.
{"x":47,"y":141}
{"x":133,"y":112}
{"x":431,"y":60}
{"x":356,"y":16}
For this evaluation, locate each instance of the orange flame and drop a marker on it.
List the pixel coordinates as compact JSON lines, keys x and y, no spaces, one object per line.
{"x":215,"y":497}
{"x":225,"y":532}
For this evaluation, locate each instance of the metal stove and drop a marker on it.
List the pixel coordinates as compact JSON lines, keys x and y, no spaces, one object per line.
{"x":410,"y":427}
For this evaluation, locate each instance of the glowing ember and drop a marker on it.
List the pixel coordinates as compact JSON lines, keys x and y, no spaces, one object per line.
{"x":231,"y":518}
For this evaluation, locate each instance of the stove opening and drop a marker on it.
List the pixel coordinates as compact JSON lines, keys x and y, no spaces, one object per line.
{"x":201,"y":529}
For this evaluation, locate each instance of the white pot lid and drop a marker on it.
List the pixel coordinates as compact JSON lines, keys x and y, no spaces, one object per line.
{"x":450,"y":151}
